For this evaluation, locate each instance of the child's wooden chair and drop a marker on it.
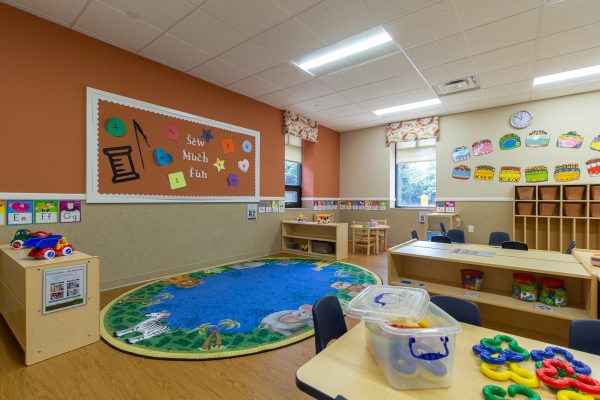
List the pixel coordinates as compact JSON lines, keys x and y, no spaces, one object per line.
{"x":363,"y":236}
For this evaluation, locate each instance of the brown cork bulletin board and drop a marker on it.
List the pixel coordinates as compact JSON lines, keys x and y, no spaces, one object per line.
{"x":140,"y":152}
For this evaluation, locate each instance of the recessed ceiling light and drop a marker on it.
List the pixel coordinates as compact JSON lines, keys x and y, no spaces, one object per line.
{"x":563,"y":76}
{"x":410,"y":106}
{"x":358,"y":49}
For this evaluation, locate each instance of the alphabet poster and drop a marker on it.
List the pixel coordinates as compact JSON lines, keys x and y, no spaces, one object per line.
{"x":141,"y":152}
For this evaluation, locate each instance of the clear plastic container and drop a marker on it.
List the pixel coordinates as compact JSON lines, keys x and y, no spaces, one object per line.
{"x":411,"y":339}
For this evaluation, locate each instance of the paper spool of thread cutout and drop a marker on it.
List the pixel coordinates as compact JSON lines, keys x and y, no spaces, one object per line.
{"x":484,"y":172}
{"x":510,"y":174}
{"x":569,"y":140}
{"x":595,"y":145}
{"x":482,"y":147}
{"x":593,"y":166}
{"x":537,"y":139}
{"x":462,"y":172}
{"x":566,"y":172}
{"x":461,"y":153}
{"x":538,"y":173}
{"x":510,"y":141}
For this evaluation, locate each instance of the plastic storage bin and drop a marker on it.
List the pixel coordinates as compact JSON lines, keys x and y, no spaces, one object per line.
{"x":524,"y":287}
{"x":411,"y":339}
{"x":472,"y":279}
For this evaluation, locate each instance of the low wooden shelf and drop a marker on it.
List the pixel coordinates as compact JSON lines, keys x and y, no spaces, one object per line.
{"x":43,"y":336}
{"x":308,"y":232}
{"x":450,"y":221}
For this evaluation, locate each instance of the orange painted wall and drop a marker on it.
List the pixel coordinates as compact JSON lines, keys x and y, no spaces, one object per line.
{"x":45,"y":69}
{"x":321,"y":165}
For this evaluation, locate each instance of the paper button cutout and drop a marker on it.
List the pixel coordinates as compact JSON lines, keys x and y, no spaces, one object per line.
{"x":206,"y":135}
{"x":161,"y":157}
{"x":244,"y":165}
{"x":116,"y":127}
{"x":228,"y":146}
{"x":177,"y":180}
{"x":172,"y":132}
{"x":219,"y":165}
{"x":246,"y":146}
{"x":233,"y":180}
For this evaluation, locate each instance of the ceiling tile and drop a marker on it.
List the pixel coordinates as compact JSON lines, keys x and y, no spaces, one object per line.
{"x":280,"y":98}
{"x":334,"y":20}
{"x":508,"y":90}
{"x":449,"y":71}
{"x":402,"y":83}
{"x":506,"y":100}
{"x":507,"y":75}
{"x":439,"y":52}
{"x":251,"y":57}
{"x":388,"y":67}
{"x":365,"y":92}
{"x":412,"y":114}
{"x":109,"y":24}
{"x":347,"y":110}
{"x":206,"y":33}
{"x":380,"y":102}
{"x":548,"y":92}
{"x":508,"y":31}
{"x":160,"y":14}
{"x":569,"y":41}
{"x":63,"y":12}
{"x":346,"y":79}
{"x":324,"y":115}
{"x":253,"y":86}
{"x":296,"y":6}
{"x":219,"y":72}
{"x":474,"y":13}
{"x":566,"y":62}
{"x":311,"y":89}
{"x":168,"y":50}
{"x":387,"y":10}
{"x":470,"y":96}
{"x":506,"y":57}
{"x":323,"y":103}
{"x":289,"y":39}
{"x":248,"y":17}
{"x":565,"y":15}
{"x":285,"y":75}
{"x":426,"y":25}
{"x":413,"y":96}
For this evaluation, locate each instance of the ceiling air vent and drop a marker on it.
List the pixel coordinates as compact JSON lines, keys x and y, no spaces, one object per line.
{"x":456,"y":86}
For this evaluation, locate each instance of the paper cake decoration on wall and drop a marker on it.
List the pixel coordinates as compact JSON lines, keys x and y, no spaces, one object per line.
{"x":461,"y":153}
{"x":484,"y":172}
{"x":595,"y":145}
{"x":593,"y":166}
{"x":482,"y":147}
{"x":510,"y":141}
{"x":510,"y":174}
{"x":538,"y":173}
{"x":537,"y":139}
{"x":569,"y":140}
{"x":461,"y":172}
{"x":566,"y":172}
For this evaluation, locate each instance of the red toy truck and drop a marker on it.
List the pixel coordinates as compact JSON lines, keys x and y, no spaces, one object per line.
{"x":49,"y":247}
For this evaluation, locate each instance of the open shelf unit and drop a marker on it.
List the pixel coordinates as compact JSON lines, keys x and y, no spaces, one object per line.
{"x":549,"y":217}
{"x":438,"y":270}
{"x":450,"y":221}
{"x":303,"y":235}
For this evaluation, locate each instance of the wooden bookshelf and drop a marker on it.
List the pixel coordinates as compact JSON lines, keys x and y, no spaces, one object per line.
{"x":450,"y":221}
{"x":546,"y":220}
{"x":304,"y":234}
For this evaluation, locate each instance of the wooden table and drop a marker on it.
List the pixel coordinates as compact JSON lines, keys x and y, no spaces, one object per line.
{"x":346,"y":367}
{"x":377,"y":229}
{"x":436,"y":267}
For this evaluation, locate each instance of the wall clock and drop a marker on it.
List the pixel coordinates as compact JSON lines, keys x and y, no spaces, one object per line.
{"x":521,"y":119}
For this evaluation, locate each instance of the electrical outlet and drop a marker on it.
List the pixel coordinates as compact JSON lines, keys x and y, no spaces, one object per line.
{"x":471,"y":229}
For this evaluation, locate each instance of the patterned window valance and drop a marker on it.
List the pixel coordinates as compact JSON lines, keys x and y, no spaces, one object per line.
{"x":298,"y":125}
{"x":413,"y":130}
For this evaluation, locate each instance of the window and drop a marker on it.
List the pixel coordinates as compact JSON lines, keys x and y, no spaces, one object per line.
{"x":415,"y":173}
{"x":293,"y":171}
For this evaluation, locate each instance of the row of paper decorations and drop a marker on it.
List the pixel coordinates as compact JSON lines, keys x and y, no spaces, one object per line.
{"x":569,"y":140}
{"x":538,"y":173}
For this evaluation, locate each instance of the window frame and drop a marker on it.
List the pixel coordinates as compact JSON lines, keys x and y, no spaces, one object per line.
{"x":294,"y":188}
{"x":396,"y":197}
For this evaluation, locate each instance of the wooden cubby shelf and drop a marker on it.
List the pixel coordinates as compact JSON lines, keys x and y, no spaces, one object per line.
{"x":304,"y":234}
{"x":549,"y":217}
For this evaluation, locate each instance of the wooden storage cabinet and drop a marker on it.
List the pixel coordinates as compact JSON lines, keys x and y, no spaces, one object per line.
{"x":549,"y":217}
{"x":43,"y":336}
{"x":306,"y":233}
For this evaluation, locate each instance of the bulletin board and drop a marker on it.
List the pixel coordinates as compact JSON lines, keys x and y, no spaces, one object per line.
{"x":139,"y":152}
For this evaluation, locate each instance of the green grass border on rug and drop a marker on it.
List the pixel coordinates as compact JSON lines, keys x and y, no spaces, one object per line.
{"x":165,"y":355}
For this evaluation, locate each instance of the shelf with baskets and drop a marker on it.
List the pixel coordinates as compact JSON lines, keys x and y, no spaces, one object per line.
{"x":549,"y":217}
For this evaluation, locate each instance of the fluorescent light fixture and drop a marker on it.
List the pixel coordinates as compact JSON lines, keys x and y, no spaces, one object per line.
{"x":358,"y":49}
{"x":563,"y":76}
{"x":409,"y":106}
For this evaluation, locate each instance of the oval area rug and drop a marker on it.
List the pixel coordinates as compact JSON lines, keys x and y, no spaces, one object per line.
{"x":228,"y":310}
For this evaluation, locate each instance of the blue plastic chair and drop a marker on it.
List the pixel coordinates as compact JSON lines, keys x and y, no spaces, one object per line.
{"x":461,"y":310}
{"x":511,"y":244}
{"x":414,"y":234}
{"x":329,"y":321}
{"x":571,"y":247}
{"x":442,"y":228}
{"x":584,"y":335}
{"x":440,"y":239}
{"x":497,"y":238}
{"x":456,"y":235}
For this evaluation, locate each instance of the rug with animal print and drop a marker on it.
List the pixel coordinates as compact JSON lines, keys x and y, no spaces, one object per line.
{"x":229,"y":310}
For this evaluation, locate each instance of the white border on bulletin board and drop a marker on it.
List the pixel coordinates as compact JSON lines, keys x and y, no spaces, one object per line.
{"x":95,"y":95}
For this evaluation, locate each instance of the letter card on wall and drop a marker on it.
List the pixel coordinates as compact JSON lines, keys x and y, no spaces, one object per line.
{"x":141,"y":152}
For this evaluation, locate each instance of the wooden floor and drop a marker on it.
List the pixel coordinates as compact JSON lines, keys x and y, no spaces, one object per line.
{"x":98,"y":371}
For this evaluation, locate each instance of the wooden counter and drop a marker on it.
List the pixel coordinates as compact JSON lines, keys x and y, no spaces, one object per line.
{"x":21,"y":302}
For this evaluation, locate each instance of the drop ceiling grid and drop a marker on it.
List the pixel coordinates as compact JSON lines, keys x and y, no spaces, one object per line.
{"x":245,"y":45}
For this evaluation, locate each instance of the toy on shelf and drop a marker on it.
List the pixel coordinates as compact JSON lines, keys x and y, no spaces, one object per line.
{"x":524,"y":287}
{"x":553,"y":292}
{"x":493,"y":392}
{"x":49,"y":247}
{"x":550,"y":374}
{"x":22,"y":235}
{"x":304,"y":246}
{"x":472,"y":279}
{"x":373,"y":224}
{"x":323,"y":218}
{"x":596,"y":260}
{"x":301,"y":218}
